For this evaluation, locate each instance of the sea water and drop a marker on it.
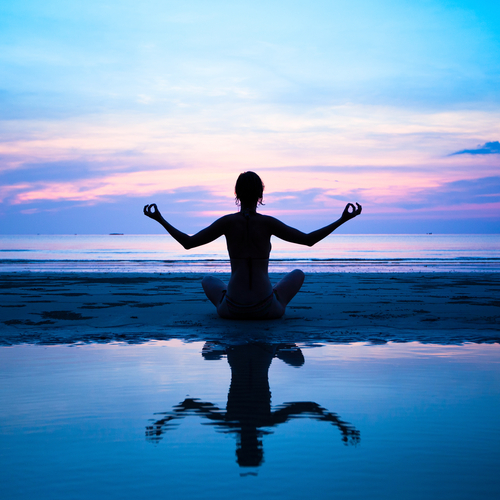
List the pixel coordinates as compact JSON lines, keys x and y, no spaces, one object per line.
{"x":337,"y":253}
{"x":201,"y":420}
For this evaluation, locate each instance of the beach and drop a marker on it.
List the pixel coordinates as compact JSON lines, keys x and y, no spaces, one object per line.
{"x":70,"y":308}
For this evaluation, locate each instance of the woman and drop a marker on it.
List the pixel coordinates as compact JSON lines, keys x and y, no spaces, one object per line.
{"x":249,"y":293}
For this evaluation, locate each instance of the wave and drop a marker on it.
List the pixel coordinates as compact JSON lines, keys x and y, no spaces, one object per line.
{"x":17,"y":250}
{"x":213,"y":265}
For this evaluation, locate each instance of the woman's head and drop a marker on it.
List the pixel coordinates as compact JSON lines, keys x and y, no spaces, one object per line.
{"x":249,"y":189}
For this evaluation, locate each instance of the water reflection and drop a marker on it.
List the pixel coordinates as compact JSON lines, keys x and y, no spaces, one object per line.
{"x":248,"y":413}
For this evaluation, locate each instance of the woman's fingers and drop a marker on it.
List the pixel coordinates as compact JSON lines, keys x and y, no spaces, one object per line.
{"x":148,"y":209}
{"x":356,"y":210}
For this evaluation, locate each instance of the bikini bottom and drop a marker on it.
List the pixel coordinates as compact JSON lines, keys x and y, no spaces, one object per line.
{"x":259,"y":310}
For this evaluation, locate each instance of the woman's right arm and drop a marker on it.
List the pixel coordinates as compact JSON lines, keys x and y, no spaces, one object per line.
{"x":203,"y":237}
{"x":293,"y":235}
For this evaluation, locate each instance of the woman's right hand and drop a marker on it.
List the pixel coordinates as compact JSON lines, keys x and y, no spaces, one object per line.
{"x":348,"y":215}
{"x":152,"y":212}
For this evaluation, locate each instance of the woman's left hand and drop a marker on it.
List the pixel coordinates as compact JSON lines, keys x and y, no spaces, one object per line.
{"x":348,"y":215}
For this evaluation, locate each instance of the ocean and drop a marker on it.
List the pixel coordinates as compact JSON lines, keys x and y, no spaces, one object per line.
{"x":337,"y":253}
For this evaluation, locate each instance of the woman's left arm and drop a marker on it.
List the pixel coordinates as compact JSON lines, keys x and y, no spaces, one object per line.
{"x":293,"y":235}
{"x":203,"y":237}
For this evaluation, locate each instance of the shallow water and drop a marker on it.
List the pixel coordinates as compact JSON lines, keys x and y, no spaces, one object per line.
{"x":204,"y":420}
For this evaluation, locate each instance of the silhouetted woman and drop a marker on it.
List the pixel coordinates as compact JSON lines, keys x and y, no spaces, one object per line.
{"x":249,"y":293}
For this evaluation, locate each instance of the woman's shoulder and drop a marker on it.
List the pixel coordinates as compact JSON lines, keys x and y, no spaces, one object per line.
{"x":268,"y":219}
{"x":228,"y":218}
{"x":238,"y":217}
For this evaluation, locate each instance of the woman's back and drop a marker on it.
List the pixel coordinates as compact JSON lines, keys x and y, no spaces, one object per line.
{"x":248,"y":238}
{"x":248,"y":235}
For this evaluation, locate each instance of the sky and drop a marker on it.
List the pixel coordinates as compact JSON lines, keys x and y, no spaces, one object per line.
{"x":108,"y":105}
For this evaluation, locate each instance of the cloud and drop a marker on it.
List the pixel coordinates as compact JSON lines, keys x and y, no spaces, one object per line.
{"x":482,"y":191}
{"x":479,"y":195}
{"x":49,"y":171}
{"x":488,"y":148}
{"x":192,"y":207}
{"x":183,"y":207}
{"x":73,"y":170}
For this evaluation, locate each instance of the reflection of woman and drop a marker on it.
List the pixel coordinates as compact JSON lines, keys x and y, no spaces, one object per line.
{"x":249,"y":293}
{"x":248,"y":412}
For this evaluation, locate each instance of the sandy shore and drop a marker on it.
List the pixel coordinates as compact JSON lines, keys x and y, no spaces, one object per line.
{"x":48,"y":308}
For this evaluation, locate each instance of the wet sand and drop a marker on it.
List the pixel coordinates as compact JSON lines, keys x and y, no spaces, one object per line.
{"x":50,"y":308}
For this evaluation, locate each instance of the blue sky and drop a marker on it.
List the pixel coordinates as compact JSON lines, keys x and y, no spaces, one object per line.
{"x":106,"y":106}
